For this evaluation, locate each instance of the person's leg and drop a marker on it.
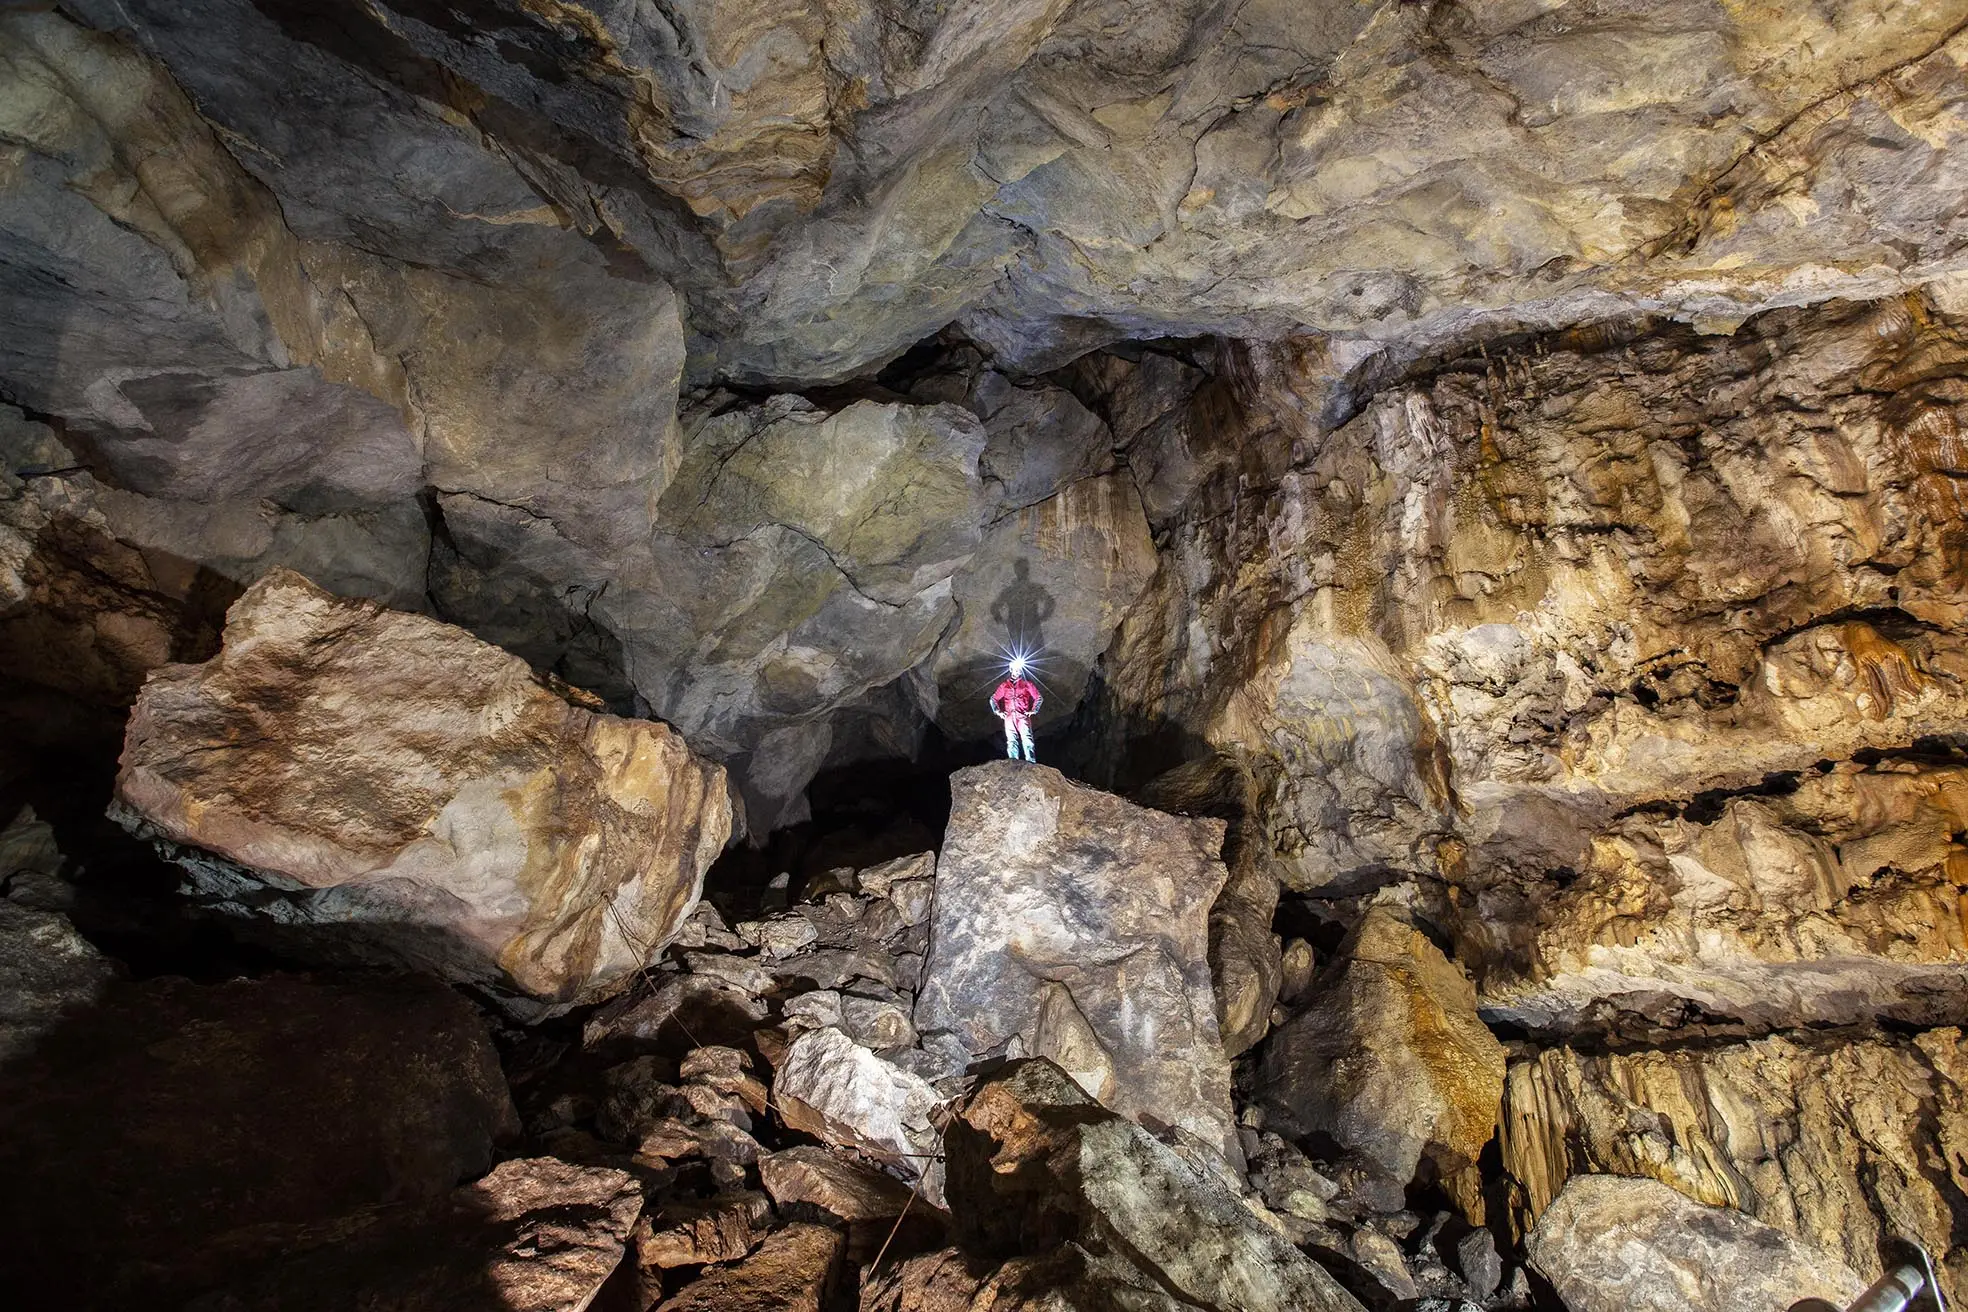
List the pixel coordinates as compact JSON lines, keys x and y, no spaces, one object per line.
{"x":1011,"y":736}
{"x":1025,"y":735}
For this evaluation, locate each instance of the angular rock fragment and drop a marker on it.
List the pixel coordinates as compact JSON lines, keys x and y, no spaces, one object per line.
{"x":395,"y":784}
{"x":880,"y":880}
{"x":835,"y":1089}
{"x":47,"y":971}
{"x":825,"y":1180}
{"x":790,"y":1272}
{"x":692,"y":1233}
{"x":1616,"y":1244}
{"x":683,"y":1012}
{"x":1037,"y":1168}
{"x":1387,"y":1055}
{"x":1078,"y":923}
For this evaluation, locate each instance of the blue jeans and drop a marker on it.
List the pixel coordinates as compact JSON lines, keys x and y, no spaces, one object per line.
{"x":1018,"y":729}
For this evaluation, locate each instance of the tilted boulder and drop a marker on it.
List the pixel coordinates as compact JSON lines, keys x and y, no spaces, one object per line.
{"x":410,"y":792}
{"x":1388,"y":1056}
{"x":1078,"y":924}
{"x":1617,"y":1244}
{"x":833,"y":1088}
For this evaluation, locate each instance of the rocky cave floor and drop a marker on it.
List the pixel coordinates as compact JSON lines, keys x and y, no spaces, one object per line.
{"x":653,"y":1157}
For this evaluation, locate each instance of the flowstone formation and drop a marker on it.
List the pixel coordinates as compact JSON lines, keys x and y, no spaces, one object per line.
{"x":539,"y":495}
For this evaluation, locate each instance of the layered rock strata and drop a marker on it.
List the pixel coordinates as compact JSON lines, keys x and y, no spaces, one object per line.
{"x":395,"y":783}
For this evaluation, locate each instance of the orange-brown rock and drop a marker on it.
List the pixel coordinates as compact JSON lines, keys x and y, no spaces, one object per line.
{"x":791,"y":1272}
{"x":1387,"y":1055}
{"x":399,"y":786}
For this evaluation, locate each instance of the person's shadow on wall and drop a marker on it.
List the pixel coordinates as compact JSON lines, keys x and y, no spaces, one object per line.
{"x":1023,"y":607}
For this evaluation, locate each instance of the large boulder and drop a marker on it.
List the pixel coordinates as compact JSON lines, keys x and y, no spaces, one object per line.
{"x":167,"y":1133}
{"x":1388,"y":1056}
{"x":1616,"y":1244}
{"x":1077,"y":924}
{"x":1038,"y":1171}
{"x":397,"y":785}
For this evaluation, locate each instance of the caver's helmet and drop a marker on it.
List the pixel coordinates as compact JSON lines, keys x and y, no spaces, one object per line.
{"x":1018,"y":667}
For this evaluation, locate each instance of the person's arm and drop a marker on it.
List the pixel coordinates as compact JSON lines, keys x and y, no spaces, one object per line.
{"x":996,"y":697}
{"x":1038,"y":699}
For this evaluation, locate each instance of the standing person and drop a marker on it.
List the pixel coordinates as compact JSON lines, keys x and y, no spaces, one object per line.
{"x":1015,"y":702}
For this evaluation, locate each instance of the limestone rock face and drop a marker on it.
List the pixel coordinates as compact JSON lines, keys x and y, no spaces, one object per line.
{"x":1839,"y":901}
{"x":1035,"y":1164}
{"x":1612,"y":1242}
{"x":390,"y":780}
{"x":1387,"y":1055}
{"x":1835,"y":1142}
{"x":213,"y":1122}
{"x":1078,"y":924}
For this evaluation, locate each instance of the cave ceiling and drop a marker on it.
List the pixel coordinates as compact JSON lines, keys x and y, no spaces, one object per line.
{"x":745,"y":361}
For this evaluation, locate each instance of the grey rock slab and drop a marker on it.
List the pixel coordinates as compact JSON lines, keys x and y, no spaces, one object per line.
{"x":1077,"y":924}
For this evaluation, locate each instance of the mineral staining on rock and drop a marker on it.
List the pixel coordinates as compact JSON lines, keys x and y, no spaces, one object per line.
{"x":383,"y":778}
{"x":1388,"y":1056}
{"x":1077,"y":925}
